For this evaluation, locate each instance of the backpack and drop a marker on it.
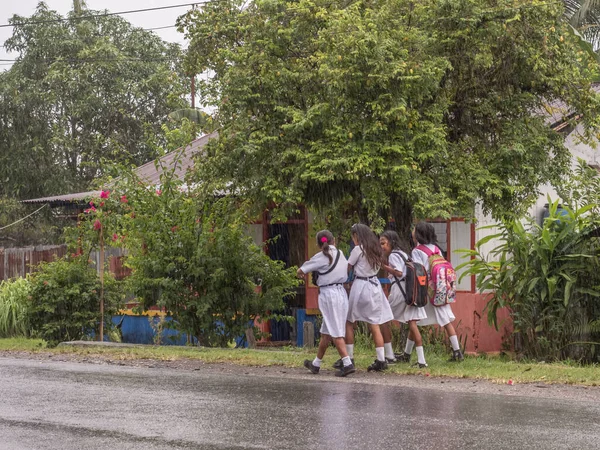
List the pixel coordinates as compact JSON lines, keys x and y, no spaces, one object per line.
{"x":442,"y":278}
{"x":415,"y":277}
{"x":315,"y":275}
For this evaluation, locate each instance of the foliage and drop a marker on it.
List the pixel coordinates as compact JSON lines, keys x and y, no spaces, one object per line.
{"x":14,"y":304}
{"x":584,"y":16}
{"x":547,"y":276}
{"x":65,"y":298}
{"x":376,"y":108}
{"x":189,"y":254}
{"x":83,"y":90}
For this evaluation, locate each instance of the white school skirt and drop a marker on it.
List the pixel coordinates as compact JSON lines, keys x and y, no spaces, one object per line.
{"x":367,"y":303}
{"x":402,"y":312}
{"x":333,"y":304}
{"x":437,"y":315}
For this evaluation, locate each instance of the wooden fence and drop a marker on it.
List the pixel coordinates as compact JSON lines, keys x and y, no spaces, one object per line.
{"x":16,"y":262}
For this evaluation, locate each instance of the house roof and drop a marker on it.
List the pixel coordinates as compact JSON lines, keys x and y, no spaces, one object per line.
{"x":558,"y":112}
{"x":149,"y":173}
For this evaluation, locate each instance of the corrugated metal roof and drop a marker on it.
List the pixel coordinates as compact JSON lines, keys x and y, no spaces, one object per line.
{"x":147,"y":172}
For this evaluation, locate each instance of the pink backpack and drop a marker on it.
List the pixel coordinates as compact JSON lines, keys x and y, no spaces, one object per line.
{"x":442,"y":278}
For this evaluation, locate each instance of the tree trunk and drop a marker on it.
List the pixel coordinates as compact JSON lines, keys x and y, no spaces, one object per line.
{"x":402,"y":213}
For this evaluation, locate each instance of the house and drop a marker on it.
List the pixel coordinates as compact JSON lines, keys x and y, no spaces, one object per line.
{"x":296,"y":244}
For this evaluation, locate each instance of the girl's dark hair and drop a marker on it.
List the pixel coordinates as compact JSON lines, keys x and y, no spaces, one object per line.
{"x":432,"y":236}
{"x":393,"y":239}
{"x":369,"y":243}
{"x":423,"y":233}
{"x":324,"y":240}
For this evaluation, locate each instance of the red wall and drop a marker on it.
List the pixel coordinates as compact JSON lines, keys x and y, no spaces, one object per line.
{"x":471,"y":321}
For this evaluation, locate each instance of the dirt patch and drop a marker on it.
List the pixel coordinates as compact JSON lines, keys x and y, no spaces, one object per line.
{"x":421,"y":381}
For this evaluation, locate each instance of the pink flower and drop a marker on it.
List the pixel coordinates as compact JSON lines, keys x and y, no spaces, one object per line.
{"x":124,"y":199}
{"x":97,"y":225}
{"x":101,"y":204}
{"x":115,"y":236}
{"x":174,"y":229}
{"x":90,"y":210}
{"x":104,"y":194}
{"x":510,"y":382}
{"x":158,"y":192}
{"x":92,"y":204}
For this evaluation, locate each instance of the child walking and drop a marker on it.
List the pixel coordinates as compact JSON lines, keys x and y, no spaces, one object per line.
{"x":331,"y":266}
{"x":367,"y":301}
{"x":396,"y":266}
{"x":424,"y":235}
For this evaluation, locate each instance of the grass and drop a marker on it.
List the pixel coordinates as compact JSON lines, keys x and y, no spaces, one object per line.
{"x":497,"y":369}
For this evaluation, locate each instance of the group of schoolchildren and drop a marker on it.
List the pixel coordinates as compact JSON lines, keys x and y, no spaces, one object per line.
{"x":367,"y":301}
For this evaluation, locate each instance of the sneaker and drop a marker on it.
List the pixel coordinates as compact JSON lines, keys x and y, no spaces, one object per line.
{"x":339,"y":363}
{"x":310,"y":366}
{"x":391,"y":360}
{"x":457,"y":356}
{"x":404,"y":357}
{"x":377,"y":366}
{"x":345,"y":370}
{"x":420,"y":365}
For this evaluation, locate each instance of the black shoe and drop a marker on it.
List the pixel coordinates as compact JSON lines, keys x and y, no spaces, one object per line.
{"x":391,"y":360}
{"x":404,"y":357}
{"x":339,"y":363}
{"x":377,"y":366}
{"x":420,"y":365}
{"x":310,"y":366}
{"x":457,"y":356}
{"x":345,"y":370}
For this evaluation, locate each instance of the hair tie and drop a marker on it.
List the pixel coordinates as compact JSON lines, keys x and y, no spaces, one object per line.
{"x":324,"y":239}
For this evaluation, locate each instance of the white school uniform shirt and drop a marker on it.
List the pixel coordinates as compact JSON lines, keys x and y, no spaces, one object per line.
{"x":396,"y":262}
{"x":361,"y":265}
{"x":421,"y":257}
{"x":320,"y":263}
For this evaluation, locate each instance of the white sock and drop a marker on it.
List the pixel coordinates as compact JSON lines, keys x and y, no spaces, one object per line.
{"x":420,"y":355}
{"x":350,"y":350}
{"x":389,"y":350}
{"x":346,"y":360}
{"x":380,"y":353}
{"x":317,"y":362}
{"x":454,"y":343}
{"x":409,"y":346}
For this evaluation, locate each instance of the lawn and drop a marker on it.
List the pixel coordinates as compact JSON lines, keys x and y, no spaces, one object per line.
{"x":499,"y":369}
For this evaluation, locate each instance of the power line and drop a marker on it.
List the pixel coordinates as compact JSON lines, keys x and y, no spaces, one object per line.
{"x":22,"y":219}
{"x":91,"y":16}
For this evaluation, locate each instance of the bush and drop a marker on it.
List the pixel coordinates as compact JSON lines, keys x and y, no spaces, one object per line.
{"x":548,"y":278}
{"x":14,"y":304}
{"x":65,"y":300}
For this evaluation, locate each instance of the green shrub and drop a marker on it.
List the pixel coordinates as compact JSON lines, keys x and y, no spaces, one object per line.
{"x":14,"y":321}
{"x":65,"y":300}
{"x":548,"y":278}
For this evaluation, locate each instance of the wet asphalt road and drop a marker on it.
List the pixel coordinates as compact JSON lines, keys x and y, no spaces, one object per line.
{"x":50,"y":405}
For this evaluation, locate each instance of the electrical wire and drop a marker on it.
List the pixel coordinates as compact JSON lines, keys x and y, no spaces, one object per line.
{"x":92,"y":16}
{"x":22,"y":219}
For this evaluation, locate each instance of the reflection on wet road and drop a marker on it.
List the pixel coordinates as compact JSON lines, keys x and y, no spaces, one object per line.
{"x":85,"y":406}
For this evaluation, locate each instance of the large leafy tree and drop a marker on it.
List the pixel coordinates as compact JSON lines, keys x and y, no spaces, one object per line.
{"x":85,"y":88}
{"x":383,"y":107}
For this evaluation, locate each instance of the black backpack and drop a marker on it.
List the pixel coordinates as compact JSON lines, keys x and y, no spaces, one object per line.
{"x":315,"y":275}
{"x":416,"y":282}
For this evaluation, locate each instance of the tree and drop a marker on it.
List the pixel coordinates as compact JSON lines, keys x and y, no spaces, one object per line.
{"x":383,"y":108}
{"x":85,"y":88}
{"x":584,"y":16}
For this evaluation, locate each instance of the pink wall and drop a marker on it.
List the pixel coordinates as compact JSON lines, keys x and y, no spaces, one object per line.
{"x":471,"y":321}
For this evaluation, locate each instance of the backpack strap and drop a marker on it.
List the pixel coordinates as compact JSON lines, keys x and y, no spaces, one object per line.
{"x":337,"y":258}
{"x":396,"y":278}
{"x":427,"y":251}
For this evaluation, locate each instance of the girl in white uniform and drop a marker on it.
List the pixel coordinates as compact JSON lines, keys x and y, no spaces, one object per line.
{"x":332,"y":268}
{"x":367,"y":301}
{"x":424,"y":234}
{"x":390,"y":243}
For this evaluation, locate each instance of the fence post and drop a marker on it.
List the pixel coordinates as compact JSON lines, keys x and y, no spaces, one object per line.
{"x":308,"y":329}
